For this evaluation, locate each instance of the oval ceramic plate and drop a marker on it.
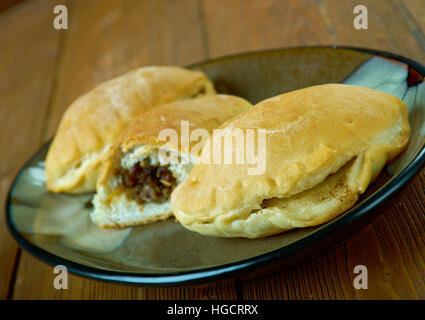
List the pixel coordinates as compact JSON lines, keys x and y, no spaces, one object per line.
{"x":56,"y":227}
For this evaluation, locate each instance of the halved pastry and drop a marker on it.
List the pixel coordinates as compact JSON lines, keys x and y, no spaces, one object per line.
{"x":153,"y":156}
{"x":324,"y":145}
{"x":96,"y":119}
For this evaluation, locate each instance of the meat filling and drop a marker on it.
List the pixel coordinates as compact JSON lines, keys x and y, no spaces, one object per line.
{"x":149,"y":183}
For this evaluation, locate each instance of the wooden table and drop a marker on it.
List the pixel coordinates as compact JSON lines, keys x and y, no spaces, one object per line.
{"x":42,"y":70}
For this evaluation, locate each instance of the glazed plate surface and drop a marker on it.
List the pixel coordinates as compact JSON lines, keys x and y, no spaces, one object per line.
{"x":57,"y":229}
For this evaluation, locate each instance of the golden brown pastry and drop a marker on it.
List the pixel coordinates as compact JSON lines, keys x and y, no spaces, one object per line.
{"x":136,"y":180}
{"x":96,"y":119}
{"x":325,"y":145}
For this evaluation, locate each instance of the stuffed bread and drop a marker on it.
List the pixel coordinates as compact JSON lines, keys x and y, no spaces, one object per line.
{"x":325,"y":144}
{"x":136,"y":181}
{"x":96,"y":119}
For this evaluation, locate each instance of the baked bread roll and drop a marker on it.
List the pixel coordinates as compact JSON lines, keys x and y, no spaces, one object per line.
{"x":324,"y":146}
{"x":136,"y":181}
{"x":96,"y":119}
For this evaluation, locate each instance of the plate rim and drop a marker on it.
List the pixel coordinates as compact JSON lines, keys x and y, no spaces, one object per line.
{"x":245,"y":265}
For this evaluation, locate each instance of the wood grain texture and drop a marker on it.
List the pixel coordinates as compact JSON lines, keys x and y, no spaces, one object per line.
{"x":7,"y":4}
{"x":236,"y":26}
{"x":415,"y":10}
{"x":27,"y":64}
{"x":106,"y":38}
{"x":35,"y":281}
{"x":389,"y":27}
{"x":211,"y":291}
{"x":325,"y":277}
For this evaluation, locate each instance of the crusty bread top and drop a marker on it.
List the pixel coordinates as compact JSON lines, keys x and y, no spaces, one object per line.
{"x":311,"y":133}
{"x":96,"y":119}
{"x":204,"y":113}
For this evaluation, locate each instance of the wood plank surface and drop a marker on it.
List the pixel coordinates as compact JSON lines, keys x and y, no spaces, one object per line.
{"x":250,"y":25}
{"x":6,"y":4}
{"x":415,"y":10}
{"x":27,"y":64}
{"x":107,"y":38}
{"x":389,"y":27}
